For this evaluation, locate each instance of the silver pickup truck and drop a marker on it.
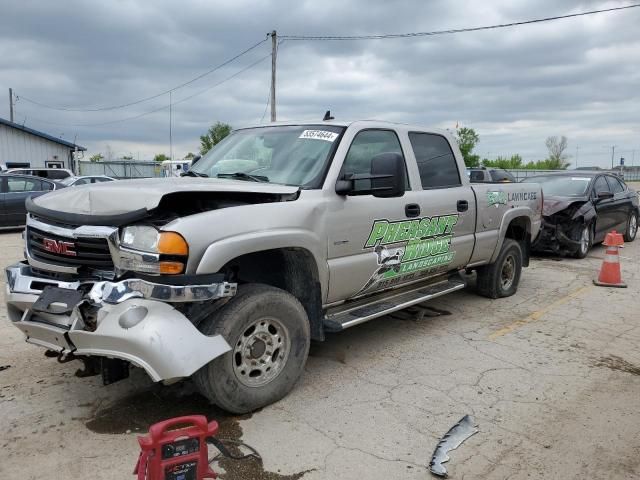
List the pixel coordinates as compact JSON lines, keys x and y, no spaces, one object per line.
{"x":278,"y":235}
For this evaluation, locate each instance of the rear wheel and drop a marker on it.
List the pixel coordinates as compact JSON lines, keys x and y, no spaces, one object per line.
{"x":501,"y":278}
{"x":585,"y":241}
{"x":268,"y":331}
{"x":632,"y":227}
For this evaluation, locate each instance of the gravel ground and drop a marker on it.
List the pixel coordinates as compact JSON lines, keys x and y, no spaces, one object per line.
{"x":551,"y":375}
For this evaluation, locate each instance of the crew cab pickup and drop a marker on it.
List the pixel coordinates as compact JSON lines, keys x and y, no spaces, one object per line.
{"x":279,"y":234}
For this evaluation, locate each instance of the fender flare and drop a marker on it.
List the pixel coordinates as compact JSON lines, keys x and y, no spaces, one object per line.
{"x":510,"y":216}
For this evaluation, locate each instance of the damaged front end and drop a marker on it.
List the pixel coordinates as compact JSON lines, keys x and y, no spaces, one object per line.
{"x":130,"y":320}
{"x":565,"y":227}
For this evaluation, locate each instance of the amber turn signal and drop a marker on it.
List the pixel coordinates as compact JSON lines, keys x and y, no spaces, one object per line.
{"x":172,"y":243}
{"x":171,"y":268}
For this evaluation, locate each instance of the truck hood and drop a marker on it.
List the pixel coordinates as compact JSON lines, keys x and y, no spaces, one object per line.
{"x":121,"y":202}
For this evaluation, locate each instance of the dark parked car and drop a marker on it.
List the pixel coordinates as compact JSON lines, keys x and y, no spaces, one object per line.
{"x":580,"y":208}
{"x":14,"y":190}
{"x":489,"y":175}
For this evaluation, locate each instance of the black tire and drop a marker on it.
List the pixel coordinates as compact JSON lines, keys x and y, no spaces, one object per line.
{"x":251,"y":317}
{"x":490,"y":282}
{"x":632,"y":228}
{"x":583,"y":249}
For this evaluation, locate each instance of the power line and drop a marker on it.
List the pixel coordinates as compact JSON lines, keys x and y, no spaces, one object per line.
{"x":115,"y":107}
{"x":450,"y":31}
{"x":248,"y":67}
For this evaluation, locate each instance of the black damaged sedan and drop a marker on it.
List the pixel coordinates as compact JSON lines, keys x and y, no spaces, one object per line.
{"x":580,"y":208}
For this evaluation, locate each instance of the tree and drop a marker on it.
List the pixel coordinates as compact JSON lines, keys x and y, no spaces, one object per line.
{"x":98,"y":157}
{"x":189,"y":156}
{"x":557,"y":157}
{"x":213,"y":136}
{"x":467,"y":139}
{"x":160,"y":157}
{"x":515,"y":161}
{"x":127,"y":158}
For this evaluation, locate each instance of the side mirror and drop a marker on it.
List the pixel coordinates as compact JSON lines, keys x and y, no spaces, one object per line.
{"x":195,"y":159}
{"x":388,"y":175}
{"x":387,"y":178}
{"x":604,"y":195}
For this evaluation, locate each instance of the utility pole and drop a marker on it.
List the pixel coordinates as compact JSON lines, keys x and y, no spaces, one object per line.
{"x":170,"y":129}
{"x":613,"y":150}
{"x":11,"y":104}
{"x":577,"y":150}
{"x":274,"y":51}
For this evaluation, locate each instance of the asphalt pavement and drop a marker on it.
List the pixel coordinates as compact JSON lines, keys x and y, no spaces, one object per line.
{"x":551,"y":376}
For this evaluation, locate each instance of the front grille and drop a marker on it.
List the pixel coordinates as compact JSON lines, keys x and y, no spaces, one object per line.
{"x":92,"y":253}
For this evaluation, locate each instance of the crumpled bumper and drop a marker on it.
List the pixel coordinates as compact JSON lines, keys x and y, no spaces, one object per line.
{"x":555,"y":237}
{"x":144,"y":331}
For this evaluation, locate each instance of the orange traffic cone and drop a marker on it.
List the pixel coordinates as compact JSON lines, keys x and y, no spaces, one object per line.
{"x":610,"y":271}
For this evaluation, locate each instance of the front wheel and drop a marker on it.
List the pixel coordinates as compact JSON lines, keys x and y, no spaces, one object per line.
{"x":632,"y":227}
{"x":268,"y":331}
{"x":501,"y":278}
{"x":585,"y":241}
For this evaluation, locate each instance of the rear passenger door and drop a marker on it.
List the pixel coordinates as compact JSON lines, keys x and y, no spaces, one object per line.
{"x":620,"y":205}
{"x":444,"y":196}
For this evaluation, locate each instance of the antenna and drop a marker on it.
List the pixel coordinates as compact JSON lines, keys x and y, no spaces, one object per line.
{"x":327,"y":116}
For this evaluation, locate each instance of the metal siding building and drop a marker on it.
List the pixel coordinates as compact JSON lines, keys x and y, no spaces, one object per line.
{"x":22,"y":146}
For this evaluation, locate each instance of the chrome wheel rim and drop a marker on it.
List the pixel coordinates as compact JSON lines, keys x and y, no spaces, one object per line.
{"x":260,"y":352}
{"x":633,"y":226}
{"x":584,"y":240}
{"x":508,"y":272}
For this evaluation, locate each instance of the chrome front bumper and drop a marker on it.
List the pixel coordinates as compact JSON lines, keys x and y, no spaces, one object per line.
{"x":133,"y":322}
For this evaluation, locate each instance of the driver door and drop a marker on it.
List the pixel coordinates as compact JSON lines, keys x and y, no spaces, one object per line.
{"x":353,"y":269}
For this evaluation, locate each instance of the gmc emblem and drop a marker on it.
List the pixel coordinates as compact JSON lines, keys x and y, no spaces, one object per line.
{"x":59,"y":247}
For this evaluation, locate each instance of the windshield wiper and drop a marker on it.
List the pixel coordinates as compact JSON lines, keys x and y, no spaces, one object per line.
{"x":244,"y":176}
{"x":191,"y":173}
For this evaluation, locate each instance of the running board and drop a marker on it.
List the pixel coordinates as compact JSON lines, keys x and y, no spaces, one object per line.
{"x":342,"y":318}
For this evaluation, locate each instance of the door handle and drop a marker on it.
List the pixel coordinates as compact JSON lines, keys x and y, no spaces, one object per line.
{"x":412,"y":210}
{"x":463,"y":205}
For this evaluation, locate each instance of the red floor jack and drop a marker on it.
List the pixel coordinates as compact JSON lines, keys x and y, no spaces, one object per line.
{"x":176,"y":454}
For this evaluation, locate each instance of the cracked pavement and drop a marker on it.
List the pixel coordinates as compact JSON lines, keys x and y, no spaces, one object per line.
{"x":551,"y":376}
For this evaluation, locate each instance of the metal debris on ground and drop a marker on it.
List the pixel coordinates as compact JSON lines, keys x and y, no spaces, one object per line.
{"x":451,"y":440}
{"x":4,"y":367}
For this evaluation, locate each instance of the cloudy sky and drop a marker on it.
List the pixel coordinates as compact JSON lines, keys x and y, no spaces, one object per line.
{"x":516,"y":86}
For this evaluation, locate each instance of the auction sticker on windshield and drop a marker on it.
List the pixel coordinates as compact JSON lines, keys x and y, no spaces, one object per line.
{"x":319,"y":135}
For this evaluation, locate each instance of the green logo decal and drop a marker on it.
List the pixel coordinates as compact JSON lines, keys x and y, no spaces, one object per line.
{"x":496,"y":198}
{"x":419,"y":246}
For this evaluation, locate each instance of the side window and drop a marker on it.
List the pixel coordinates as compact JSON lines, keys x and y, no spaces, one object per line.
{"x":47,"y":186}
{"x":476,"y":176}
{"x":366,"y":145}
{"x":82,"y":181}
{"x":19,"y":184}
{"x":601,"y":185}
{"x":614,"y":185}
{"x":436,"y":163}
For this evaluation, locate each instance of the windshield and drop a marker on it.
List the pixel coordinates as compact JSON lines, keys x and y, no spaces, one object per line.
{"x":565,"y":186}
{"x":289,"y":155}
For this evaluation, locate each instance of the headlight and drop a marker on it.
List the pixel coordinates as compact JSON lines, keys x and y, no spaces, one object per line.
{"x":148,"y":250}
{"x":140,"y":237}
